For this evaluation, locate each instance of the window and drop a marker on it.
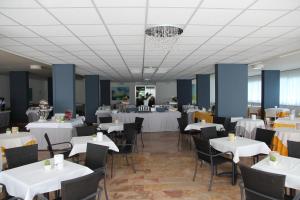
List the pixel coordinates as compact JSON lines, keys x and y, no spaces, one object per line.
{"x":254,"y":89}
{"x":290,"y":88}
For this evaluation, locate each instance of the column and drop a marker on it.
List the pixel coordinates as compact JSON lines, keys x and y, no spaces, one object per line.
{"x":231,"y":90}
{"x":91,"y":97}
{"x":19,"y":95}
{"x":50,"y":91}
{"x":105,"y":92}
{"x":270,"y":88}
{"x":63,"y":77}
{"x":203,"y":90}
{"x":184,"y":92}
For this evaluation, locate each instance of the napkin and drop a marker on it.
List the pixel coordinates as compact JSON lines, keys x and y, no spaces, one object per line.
{"x":99,"y":136}
{"x":253,"y":117}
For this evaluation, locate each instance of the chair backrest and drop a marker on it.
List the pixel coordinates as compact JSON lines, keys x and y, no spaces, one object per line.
{"x":139,"y":124}
{"x":203,"y":148}
{"x":293,"y":149}
{"x":219,"y":120}
{"x":19,"y":156}
{"x":105,"y":119}
{"x":264,"y":135}
{"x":182,"y":124}
{"x":95,"y":156}
{"x":130,"y":135}
{"x":129,"y":126}
{"x":86,"y":130}
{"x":259,"y":184}
{"x":82,"y":188}
{"x":49,"y":145}
{"x":209,"y":132}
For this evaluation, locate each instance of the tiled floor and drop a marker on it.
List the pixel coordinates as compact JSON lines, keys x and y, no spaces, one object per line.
{"x":165,"y":173}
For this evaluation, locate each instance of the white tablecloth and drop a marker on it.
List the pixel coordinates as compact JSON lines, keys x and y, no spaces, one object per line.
{"x":247,"y":127}
{"x":288,"y":166}
{"x":199,"y":125}
{"x":288,"y":121}
{"x":29,"y":180}
{"x":154,"y":121}
{"x":102,"y":113}
{"x":4,"y":118}
{"x":57,"y":131}
{"x":285,"y":134}
{"x":80,"y":143}
{"x":272,"y":112}
{"x":241,"y":147}
{"x":111,"y":127}
{"x":13,"y":140}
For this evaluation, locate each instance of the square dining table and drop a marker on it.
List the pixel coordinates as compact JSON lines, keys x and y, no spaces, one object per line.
{"x":30,"y":180}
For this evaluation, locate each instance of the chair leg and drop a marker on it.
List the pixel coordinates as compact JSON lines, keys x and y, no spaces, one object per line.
{"x":142,"y":139}
{"x":178,"y":140}
{"x":105,"y":189}
{"x":127,"y":159}
{"x":112,"y":165}
{"x":211,"y":177}
{"x":196,"y":168}
{"x":132,"y":164}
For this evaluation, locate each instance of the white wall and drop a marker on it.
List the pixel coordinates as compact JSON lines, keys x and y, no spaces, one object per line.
{"x":39,"y":89}
{"x":212,"y":88}
{"x":80,"y":91}
{"x":4,"y":89}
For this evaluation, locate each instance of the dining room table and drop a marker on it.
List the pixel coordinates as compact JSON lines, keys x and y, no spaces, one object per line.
{"x":277,"y":112}
{"x":288,"y":166}
{"x":287,"y":122}
{"x":79,"y":144}
{"x":247,"y":127}
{"x":112,"y":127}
{"x":282,"y":135}
{"x":30,"y":180}
{"x":198,"y":126}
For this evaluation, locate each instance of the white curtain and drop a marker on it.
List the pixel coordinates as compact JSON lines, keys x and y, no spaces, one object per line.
{"x":290,"y":88}
{"x":254,"y":89}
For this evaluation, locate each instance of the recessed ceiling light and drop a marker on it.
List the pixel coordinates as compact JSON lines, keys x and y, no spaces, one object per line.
{"x":36,"y":67}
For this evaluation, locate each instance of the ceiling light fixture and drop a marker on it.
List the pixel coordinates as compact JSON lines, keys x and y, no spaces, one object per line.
{"x":164,"y":36}
{"x":257,"y":66}
{"x":36,"y":67}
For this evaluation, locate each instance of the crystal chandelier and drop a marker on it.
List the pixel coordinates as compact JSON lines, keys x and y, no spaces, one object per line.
{"x":163,"y":36}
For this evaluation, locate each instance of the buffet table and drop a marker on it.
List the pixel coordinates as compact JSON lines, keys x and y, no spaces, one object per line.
{"x":4,"y":118}
{"x":102,"y":113}
{"x":57,"y":131}
{"x":153,"y":121}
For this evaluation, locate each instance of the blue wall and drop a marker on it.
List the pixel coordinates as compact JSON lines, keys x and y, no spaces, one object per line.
{"x":105,"y":92}
{"x":184,"y":92}
{"x":270,"y":88}
{"x":231,"y":90}
{"x":50,"y":91}
{"x":63,"y":76}
{"x":19,"y":95}
{"x":203,"y":90}
{"x":92,"y":99}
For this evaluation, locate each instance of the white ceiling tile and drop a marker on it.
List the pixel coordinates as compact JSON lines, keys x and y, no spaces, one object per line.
{"x":83,"y":53}
{"x":214,"y":16}
{"x":49,"y":31}
{"x":222,"y":40}
{"x":291,"y":19}
{"x":64,"y":40}
{"x":149,"y":70}
{"x":19,"y":49}
{"x":163,"y":70}
{"x":129,"y":39}
{"x":88,"y":30}
{"x":101,"y":47}
{"x":236,"y":31}
{"x":8,"y":42}
{"x":6,"y":21}
{"x":47,"y":48}
{"x":168,"y":16}
{"x":30,"y":16}
{"x":126,"y":29}
{"x":123,"y":15}
{"x":33,"y":41}
{"x":251,"y":41}
{"x":276,"y":4}
{"x":173,"y":3}
{"x":293,"y":34}
{"x":76,"y":47}
{"x":191,"y":40}
{"x":120,"y":3}
{"x":271,"y":31}
{"x":199,"y":31}
{"x":226,"y":4}
{"x":256,"y":17}
{"x":18,"y":4}
{"x":104,"y":39}
{"x":138,"y":47}
{"x":16,"y":31}
{"x":131,"y":53}
{"x":66,"y":3}
{"x":136,"y":70}
{"x":76,"y":15}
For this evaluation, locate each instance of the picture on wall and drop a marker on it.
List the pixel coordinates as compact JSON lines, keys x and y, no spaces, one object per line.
{"x":118,"y":93}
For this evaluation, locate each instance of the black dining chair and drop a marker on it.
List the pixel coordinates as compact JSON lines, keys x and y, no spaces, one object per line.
{"x":86,"y":130}
{"x":293,"y":149}
{"x":209,"y":133}
{"x":126,"y":146}
{"x":223,"y":121}
{"x":65,"y":151}
{"x":20,"y":156}
{"x":261,"y":185}
{"x":105,"y":120}
{"x":266,"y":136}
{"x":82,"y":188}
{"x":96,"y":156}
{"x":205,"y":153}
{"x":183,"y":122}
{"x":139,"y":126}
